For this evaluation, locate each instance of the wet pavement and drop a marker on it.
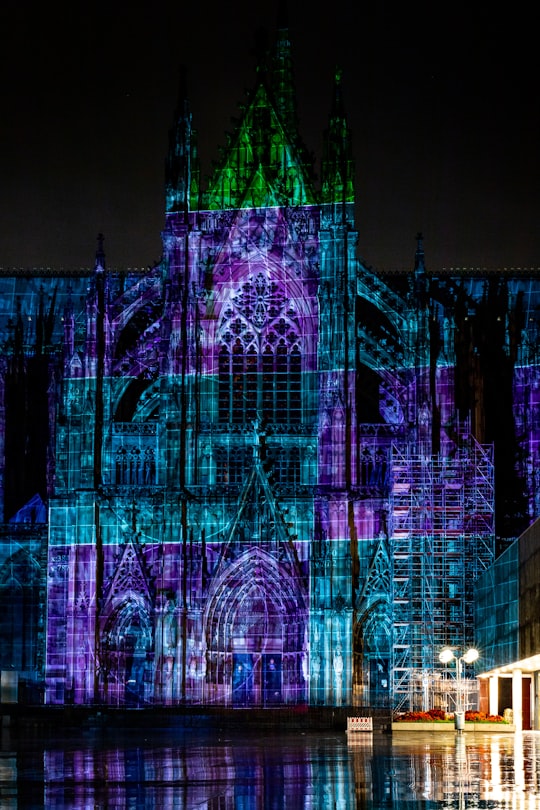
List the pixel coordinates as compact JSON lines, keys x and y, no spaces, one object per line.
{"x":194,"y":768}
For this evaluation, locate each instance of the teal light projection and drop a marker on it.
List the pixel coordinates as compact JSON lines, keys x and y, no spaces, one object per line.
{"x":259,"y":473}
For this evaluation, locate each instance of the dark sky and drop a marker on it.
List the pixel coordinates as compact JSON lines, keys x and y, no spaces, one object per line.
{"x":442,"y":100}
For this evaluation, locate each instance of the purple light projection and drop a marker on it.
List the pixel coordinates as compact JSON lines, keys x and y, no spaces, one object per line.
{"x":270,"y":471}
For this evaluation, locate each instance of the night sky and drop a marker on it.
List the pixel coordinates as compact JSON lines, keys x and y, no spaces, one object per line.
{"x":442,"y":100}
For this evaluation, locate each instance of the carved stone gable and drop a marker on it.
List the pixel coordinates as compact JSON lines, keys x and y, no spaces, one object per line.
{"x":129,"y":575}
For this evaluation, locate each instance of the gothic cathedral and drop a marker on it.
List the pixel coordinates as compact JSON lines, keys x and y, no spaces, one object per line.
{"x":259,"y":473}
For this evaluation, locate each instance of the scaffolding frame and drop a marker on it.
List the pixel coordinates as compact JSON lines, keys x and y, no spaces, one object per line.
{"x":442,"y":510}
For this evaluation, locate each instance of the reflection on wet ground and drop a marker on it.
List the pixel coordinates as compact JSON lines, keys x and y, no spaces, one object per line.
{"x":194,"y":768}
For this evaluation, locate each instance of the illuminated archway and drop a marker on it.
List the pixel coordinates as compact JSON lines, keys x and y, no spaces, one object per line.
{"x":255,"y":634}
{"x":372,"y":655}
{"x":126,"y":649}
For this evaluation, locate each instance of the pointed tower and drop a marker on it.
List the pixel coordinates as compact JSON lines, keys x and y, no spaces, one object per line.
{"x":181,"y":168}
{"x":281,"y":74}
{"x":337,"y":163}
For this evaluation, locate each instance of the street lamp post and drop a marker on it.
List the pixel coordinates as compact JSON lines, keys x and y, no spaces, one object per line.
{"x":469,"y":657}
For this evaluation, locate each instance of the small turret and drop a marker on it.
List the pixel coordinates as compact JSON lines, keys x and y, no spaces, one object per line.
{"x":419,"y":267}
{"x":419,"y":256}
{"x":182,"y":168}
{"x":99,"y":265}
{"x":337,"y":162}
{"x":281,"y":74}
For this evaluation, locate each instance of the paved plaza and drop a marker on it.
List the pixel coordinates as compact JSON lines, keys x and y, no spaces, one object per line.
{"x":229,"y":770}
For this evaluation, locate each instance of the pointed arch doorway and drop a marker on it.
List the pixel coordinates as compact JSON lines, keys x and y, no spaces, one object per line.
{"x":372,"y":656}
{"x":127,"y":643}
{"x":256,"y":630}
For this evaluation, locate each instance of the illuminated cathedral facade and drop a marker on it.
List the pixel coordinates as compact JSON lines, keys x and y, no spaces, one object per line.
{"x":260,"y":473}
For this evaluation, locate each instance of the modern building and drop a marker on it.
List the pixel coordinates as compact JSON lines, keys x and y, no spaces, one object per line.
{"x":259,"y":472}
{"x":508,"y":631}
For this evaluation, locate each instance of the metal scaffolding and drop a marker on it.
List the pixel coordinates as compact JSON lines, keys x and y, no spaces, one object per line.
{"x":442,"y":539}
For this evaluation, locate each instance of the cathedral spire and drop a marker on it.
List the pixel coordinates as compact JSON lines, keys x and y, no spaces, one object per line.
{"x":181,"y":170}
{"x":275,"y":68}
{"x":265,"y":161}
{"x":419,"y":256}
{"x":337,"y":162}
{"x":282,"y":72}
{"x":99,"y":265}
{"x":420,"y":266}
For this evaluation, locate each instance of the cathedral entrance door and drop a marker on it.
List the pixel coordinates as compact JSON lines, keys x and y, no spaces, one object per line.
{"x":255,"y":621}
{"x":242,"y":680}
{"x":126,"y":645}
{"x":271,"y":680}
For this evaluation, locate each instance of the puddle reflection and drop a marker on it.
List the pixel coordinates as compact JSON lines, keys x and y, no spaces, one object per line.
{"x":224,"y":771}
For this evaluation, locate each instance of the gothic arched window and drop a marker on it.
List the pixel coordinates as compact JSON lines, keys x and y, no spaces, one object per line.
{"x":251,"y":384}
{"x":260,"y":360}
{"x":238,"y":381}
{"x":224,"y":384}
{"x":295,"y":385}
{"x":268,"y":384}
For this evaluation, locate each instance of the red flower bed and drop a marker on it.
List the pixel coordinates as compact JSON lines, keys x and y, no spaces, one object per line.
{"x":482,"y":717}
{"x":433,"y":715}
{"x":438,"y":715}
